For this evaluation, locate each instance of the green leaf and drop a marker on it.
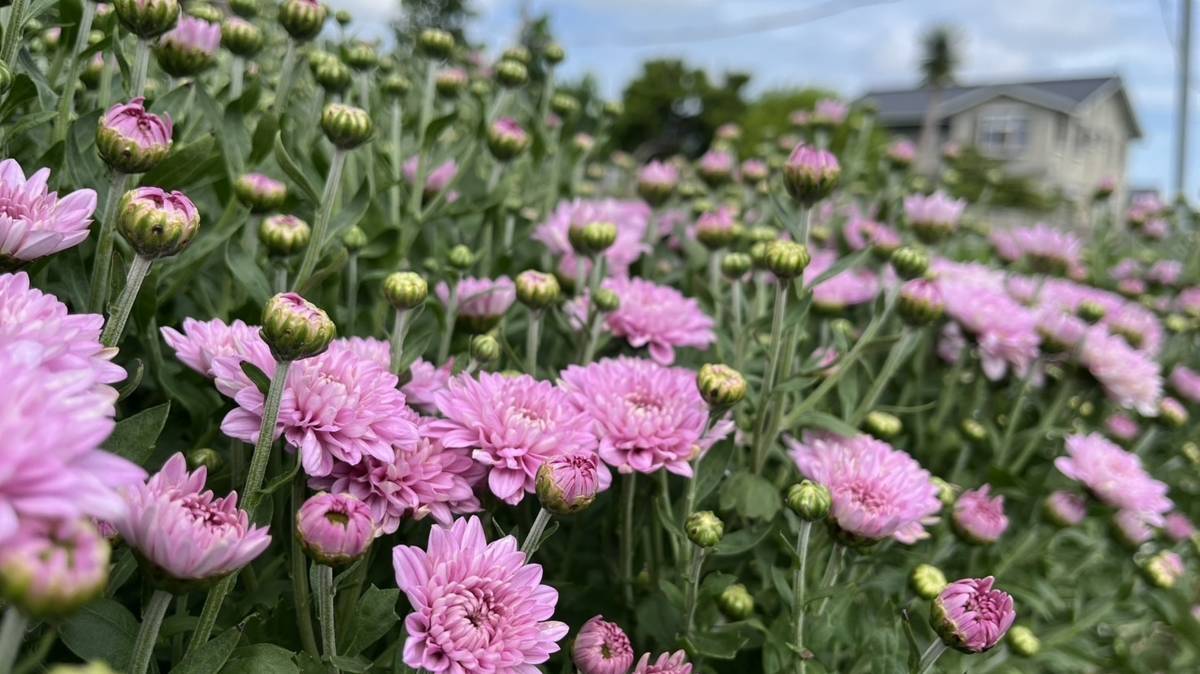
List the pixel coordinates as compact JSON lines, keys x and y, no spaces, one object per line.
{"x":712,"y":470}
{"x":260,"y":378}
{"x":353,"y":664}
{"x":374,"y":617}
{"x":435,"y":129}
{"x":135,"y":436}
{"x":742,"y":540}
{"x":212,"y":656}
{"x":103,"y":630}
{"x":250,"y":275}
{"x":261,"y":659}
{"x":136,"y":370}
{"x":750,"y":496}
{"x":182,"y":168}
{"x":294,"y":172}
{"x":263,"y":140}
{"x":827,"y":422}
{"x":717,"y":645}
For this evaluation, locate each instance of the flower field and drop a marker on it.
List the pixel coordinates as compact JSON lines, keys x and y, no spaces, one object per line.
{"x":321,"y":355}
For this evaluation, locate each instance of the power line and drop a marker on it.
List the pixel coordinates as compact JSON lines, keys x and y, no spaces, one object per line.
{"x":758,"y":24}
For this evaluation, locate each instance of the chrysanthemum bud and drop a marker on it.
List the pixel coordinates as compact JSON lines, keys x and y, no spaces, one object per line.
{"x":147,"y":18}
{"x":564,"y":105}
{"x":295,"y":328}
{"x":302,"y":19}
{"x":704,"y":529}
{"x":260,"y":193}
{"x":717,"y":228}
{"x":1164,"y":569}
{"x":506,"y":139}
{"x":6,"y":77}
{"x":52,"y":569}
{"x":335,"y":529}
{"x":241,"y":37}
{"x":435,"y":43}
{"x":1023,"y":641}
{"x":346,"y":126}
{"x":810,"y":174}
{"x":91,"y":668}
{"x":613,"y":109}
{"x":333,"y":75}
{"x":882,"y":425}
{"x":244,"y":8}
{"x":809,"y":500}
{"x":973,"y":430}
{"x":479,"y":89}
{"x":511,"y":73}
{"x":1065,"y":509}
{"x":970,"y":616}
{"x":450,"y":82}
{"x":207,"y":457}
{"x":736,"y":602}
{"x":343,"y":18}
{"x":199,"y":10}
{"x":537,"y":290}
{"x":607,"y":301}
{"x":405,"y":290}
{"x":189,"y":48}
{"x":284,"y":235}
{"x":785,"y":259}
{"x":132,"y":140}
{"x":590,"y":238}
{"x":735,"y":265}
{"x":1172,"y":413}
{"x":721,"y":386}
{"x":920,"y":302}
{"x":1091,"y":311}
{"x":910,"y":262}
{"x":568,"y":484}
{"x":460,"y":257}
{"x":485,"y":350}
{"x":553,"y":53}
{"x":359,"y":55}
{"x":354,"y":239}
{"x":157,"y":223}
{"x":92,"y":70}
{"x":927,"y":581}
{"x":519,"y":53}
{"x":396,"y":85}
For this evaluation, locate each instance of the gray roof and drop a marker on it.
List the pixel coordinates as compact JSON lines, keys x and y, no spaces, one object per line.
{"x":905,"y":107}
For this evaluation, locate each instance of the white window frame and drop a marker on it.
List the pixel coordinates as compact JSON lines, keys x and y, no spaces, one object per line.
{"x":1011,"y":123}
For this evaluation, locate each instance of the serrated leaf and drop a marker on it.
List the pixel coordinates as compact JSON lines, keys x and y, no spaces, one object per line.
{"x":103,"y":630}
{"x":751,"y":496}
{"x":134,"y":437}
{"x":375,"y":615}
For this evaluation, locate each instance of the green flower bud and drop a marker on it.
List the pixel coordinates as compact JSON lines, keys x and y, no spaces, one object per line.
{"x":396,"y":86}
{"x":564,"y":105}
{"x":721,"y":386}
{"x":910,"y":262}
{"x":485,"y":349}
{"x":927,"y":581}
{"x":302,"y":19}
{"x":434,"y":43}
{"x":359,"y":55}
{"x":182,"y":60}
{"x":132,"y":140}
{"x":199,"y":10}
{"x":343,"y":18}
{"x":147,"y":18}
{"x":91,"y":668}
{"x":205,"y":456}
{"x":451,"y":82}
{"x":480,"y":89}
{"x":736,"y":602}
{"x":519,"y":53}
{"x":920,"y":302}
{"x":283,"y":235}
{"x":241,"y":37}
{"x":537,"y":290}
{"x":354,"y":239}
{"x":244,"y":8}
{"x":260,"y":193}
{"x":157,"y":224}
{"x":295,"y":328}
{"x":704,"y":529}
{"x":1023,"y":641}
{"x":973,"y":430}
{"x":1177,"y":323}
{"x":947,"y":493}
{"x":735,"y":265}
{"x":460,"y":257}
{"x":785,"y":259}
{"x":1163,"y":570}
{"x":346,"y":126}
{"x":92,"y":70}
{"x":592,"y":237}
{"x":511,"y":74}
{"x":613,"y":109}
{"x":54,"y":570}
{"x":882,"y":425}
{"x":1172,"y":414}
{"x":809,"y":500}
{"x":553,"y":53}
{"x":405,"y":290}
{"x":333,"y":75}
{"x":506,"y":139}
{"x":1091,"y":311}
{"x":6,"y":77}
{"x":607,"y":301}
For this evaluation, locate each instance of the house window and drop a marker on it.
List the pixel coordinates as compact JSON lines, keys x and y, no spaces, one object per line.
{"x":1003,"y":132}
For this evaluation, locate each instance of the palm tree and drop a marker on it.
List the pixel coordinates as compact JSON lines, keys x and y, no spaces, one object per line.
{"x":938,"y":63}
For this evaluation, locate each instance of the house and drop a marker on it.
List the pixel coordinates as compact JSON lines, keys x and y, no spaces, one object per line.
{"x":1065,"y":134}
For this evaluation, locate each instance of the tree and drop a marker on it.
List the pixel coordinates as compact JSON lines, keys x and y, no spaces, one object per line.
{"x":938,"y":63}
{"x":416,"y":15}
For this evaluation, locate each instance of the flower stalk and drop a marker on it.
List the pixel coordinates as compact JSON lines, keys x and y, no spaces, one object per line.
{"x":102,"y":263}
{"x":114,"y":327}
{"x":534,"y":539}
{"x":325,"y":597}
{"x":399,"y":333}
{"x":798,"y":591}
{"x":66,"y":100}
{"x":312,"y":253}
{"x":759,"y":453}
{"x":152,"y":618}
{"x":417,"y":189}
{"x":141,"y":68}
{"x":12,"y":630}
{"x":693,"y":587}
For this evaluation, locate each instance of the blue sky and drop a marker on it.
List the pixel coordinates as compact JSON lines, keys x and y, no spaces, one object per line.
{"x":875,"y":44}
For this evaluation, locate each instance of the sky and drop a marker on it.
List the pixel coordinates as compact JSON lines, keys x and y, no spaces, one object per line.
{"x":864,"y":44}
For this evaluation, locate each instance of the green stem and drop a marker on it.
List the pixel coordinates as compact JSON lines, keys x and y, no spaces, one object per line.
{"x":534,"y":539}
{"x":66,"y":100}
{"x":1048,"y":421}
{"x":237,"y":78}
{"x":104,"y":92}
{"x":532,"y":342}
{"x":141,"y":68}
{"x":114,"y":327}
{"x":302,"y":599}
{"x":448,"y":328}
{"x":351,"y":292}
{"x":555,"y":174}
{"x":1010,"y":430}
{"x":833,"y":566}
{"x":102,"y":263}
{"x":629,"y":489}
{"x":417,"y":189}
{"x":896,"y":357}
{"x":664,"y":492}
{"x":930,"y":656}
{"x":714,"y":284}
{"x":325,"y":593}
{"x":312,"y":253}
{"x":287,"y":74}
{"x":759,"y":451}
{"x":33,"y":661}
{"x":12,"y":631}
{"x":399,"y":332}
{"x":152,"y":617}
{"x":693,"y":588}
{"x":595,"y":317}
{"x":396,"y":150}
{"x":281,"y":274}
{"x":13,"y":33}
{"x":798,"y":587}
{"x":738,"y":338}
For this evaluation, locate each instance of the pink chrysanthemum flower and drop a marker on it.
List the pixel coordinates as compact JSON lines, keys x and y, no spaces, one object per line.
{"x":512,"y":425}
{"x":1005,"y":331}
{"x":878,"y":492}
{"x":667,"y":663}
{"x":979,"y":516}
{"x":1188,"y":301}
{"x":1132,"y":528}
{"x":203,"y":341}
{"x":902,"y":151}
{"x":1114,"y":476}
{"x":336,"y":406}
{"x":185,"y":532}
{"x":645,"y":416}
{"x":1045,"y":248}
{"x":424,"y":379}
{"x":1178,"y":527}
{"x":1121,"y":427}
{"x":34,"y":222}
{"x":632,"y":218}
{"x":438,"y":179}
{"x":1165,"y":272}
{"x":193,"y":36}
{"x":861,"y":232}
{"x":335,"y":529}
{"x":427,"y":480}
{"x":52,"y":567}
{"x":478,"y":607}
{"x":1129,"y":377}
{"x":1186,"y":382}
{"x":971,"y":616}
{"x":1065,"y":508}
{"x":1137,"y":325}
{"x":602,"y":647}
{"x":937,"y":212}
{"x":659,"y":317}
{"x":830,"y":111}
{"x":480,"y":301}
{"x":849,"y":288}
